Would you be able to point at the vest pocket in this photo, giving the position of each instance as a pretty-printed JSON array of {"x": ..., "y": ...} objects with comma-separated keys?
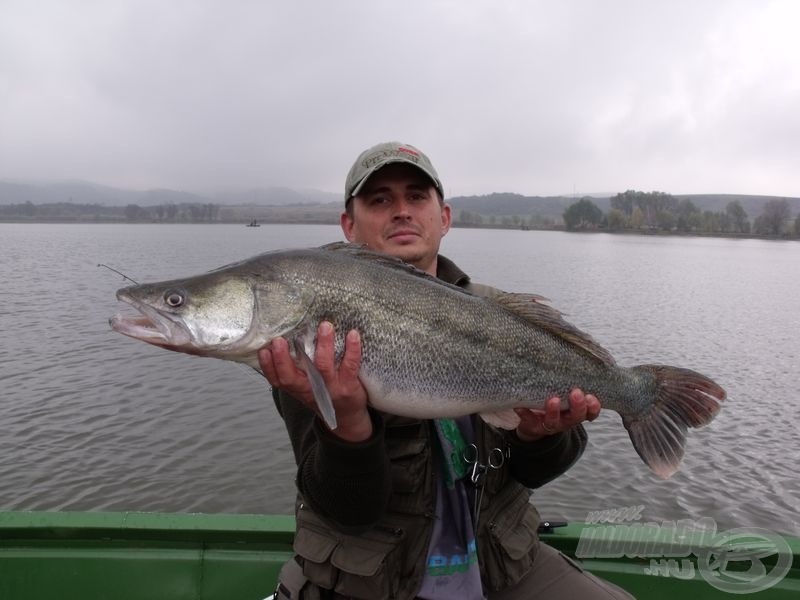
[
  {"x": 508, "y": 551},
  {"x": 410, "y": 464},
  {"x": 408, "y": 459},
  {"x": 369, "y": 565},
  {"x": 363, "y": 566}
]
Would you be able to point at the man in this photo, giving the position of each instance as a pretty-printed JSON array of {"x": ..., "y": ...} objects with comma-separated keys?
[{"x": 392, "y": 507}]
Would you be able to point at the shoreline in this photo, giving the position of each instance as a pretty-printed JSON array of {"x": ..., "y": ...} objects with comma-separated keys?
[{"x": 244, "y": 223}]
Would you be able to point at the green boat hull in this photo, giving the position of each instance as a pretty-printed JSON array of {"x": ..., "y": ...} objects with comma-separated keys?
[{"x": 146, "y": 556}]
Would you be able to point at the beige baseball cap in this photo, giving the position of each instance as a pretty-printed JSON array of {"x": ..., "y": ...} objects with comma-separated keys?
[{"x": 383, "y": 154}]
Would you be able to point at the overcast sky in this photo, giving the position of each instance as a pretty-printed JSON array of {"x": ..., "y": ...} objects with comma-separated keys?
[{"x": 532, "y": 97}]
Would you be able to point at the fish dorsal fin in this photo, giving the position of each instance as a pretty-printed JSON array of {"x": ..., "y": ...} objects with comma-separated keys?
[
  {"x": 363, "y": 252},
  {"x": 531, "y": 308}
]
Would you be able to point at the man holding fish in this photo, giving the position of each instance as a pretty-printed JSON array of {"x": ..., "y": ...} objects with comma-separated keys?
[
  {"x": 397, "y": 507},
  {"x": 378, "y": 369}
]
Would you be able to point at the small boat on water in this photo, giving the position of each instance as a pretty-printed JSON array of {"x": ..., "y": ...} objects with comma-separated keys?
[
  {"x": 138, "y": 556},
  {"x": 254, "y": 223}
]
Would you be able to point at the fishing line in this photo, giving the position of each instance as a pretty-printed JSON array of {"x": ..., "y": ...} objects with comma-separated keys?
[{"x": 118, "y": 273}]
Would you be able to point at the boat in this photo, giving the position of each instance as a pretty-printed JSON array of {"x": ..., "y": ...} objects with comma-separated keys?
[
  {"x": 138, "y": 556},
  {"x": 253, "y": 223}
]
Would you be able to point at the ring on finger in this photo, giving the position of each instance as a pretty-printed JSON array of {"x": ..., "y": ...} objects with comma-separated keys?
[{"x": 547, "y": 429}]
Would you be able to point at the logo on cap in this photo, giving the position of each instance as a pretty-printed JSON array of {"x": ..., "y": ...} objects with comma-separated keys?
[{"x": 381, "y": 155}]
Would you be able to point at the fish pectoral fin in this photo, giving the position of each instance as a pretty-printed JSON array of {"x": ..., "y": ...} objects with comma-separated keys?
[
  {"x": 504, "y": 419},
  {"x": 318, "y": 387}
]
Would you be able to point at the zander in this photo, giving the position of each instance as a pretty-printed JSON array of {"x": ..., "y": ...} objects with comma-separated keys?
[{"x": 429, "y": 349}]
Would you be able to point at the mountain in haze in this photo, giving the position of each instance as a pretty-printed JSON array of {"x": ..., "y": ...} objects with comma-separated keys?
[
  {"x": 507, "y": 204},
  {"x": 497, "y": 204},
  {"x": 275, "y": 196},
  {"x": 752, "y": 204},
  {"x": 83, "y": 192},
  {"x": 78, "y": 192}
]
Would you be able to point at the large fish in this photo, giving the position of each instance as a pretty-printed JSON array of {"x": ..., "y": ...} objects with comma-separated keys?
[{"x": 429, "y": 349}]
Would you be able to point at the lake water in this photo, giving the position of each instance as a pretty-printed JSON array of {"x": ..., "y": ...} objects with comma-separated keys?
[{"x": 91, "y": 420}]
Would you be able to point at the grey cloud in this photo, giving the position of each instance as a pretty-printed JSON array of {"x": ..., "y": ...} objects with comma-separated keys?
[{"x": 529, "y": 97}]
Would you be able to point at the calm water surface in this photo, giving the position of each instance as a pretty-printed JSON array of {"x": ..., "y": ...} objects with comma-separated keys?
[{"x": 91, "y": 420}]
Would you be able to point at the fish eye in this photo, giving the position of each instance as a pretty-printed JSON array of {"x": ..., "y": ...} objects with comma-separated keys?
[{"x": 174, "y": 298}]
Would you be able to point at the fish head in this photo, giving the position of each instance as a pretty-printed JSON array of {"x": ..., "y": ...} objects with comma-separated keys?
[{"x": 217, "y": 314}]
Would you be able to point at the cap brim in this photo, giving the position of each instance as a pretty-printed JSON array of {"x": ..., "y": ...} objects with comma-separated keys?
[{"x": 360, "y": 185}]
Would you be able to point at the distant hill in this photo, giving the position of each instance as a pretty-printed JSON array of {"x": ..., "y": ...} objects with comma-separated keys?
[
  {"x": 77, "y": 192},
  {"x": 506, "y": 204},
  {"x": 752, "y": 205},
  {"x": 319, "y": 203},
  {"x": 275, "y": 196},
  {"x": 83, "y": 192}
]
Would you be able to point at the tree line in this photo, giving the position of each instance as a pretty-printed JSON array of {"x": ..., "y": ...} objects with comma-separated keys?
[
  {"x": 67, "y": 211},
  {"x": 629, "y": 211},
  {"x": 658, "y": 211},
  {"x": 467, "y": 218}
]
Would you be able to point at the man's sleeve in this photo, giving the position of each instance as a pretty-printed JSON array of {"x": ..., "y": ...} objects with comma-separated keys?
[
  {"x": 348, "y": 483},
  {"x": 535, "y": 463}
]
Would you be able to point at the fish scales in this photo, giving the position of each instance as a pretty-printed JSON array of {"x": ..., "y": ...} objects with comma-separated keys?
[{"x": 409, "y": 321}]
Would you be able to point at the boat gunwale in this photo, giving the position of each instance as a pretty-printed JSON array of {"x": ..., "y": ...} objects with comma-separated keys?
[{"x": 207, "y": 549}]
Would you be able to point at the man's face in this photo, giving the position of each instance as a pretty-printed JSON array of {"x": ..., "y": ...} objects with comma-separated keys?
[{"x": 398, "y": 212}]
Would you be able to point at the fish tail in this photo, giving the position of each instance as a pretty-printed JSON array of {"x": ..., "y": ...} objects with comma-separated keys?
[{"x": 683, "y": 399}]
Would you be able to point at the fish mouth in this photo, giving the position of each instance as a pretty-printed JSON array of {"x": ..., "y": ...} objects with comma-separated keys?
[{"x": 150, "y": 326}]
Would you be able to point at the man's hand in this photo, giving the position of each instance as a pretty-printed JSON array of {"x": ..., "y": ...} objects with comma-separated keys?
[
  {"x": 536, "y": 424},
  {"x": 347, "y": 392}
]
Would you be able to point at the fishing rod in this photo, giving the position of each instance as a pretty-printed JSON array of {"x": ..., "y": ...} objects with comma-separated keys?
[{"x": 118, "y": 273}]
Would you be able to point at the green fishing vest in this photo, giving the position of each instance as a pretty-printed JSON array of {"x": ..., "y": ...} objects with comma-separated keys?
[{"x": 388, "y": 560}]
